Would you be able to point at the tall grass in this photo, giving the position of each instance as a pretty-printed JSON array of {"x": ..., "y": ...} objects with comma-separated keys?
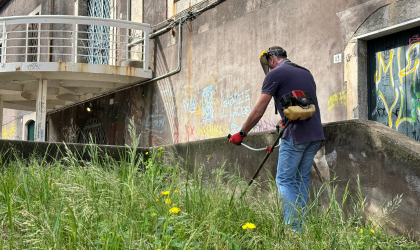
[{"x": 104, "y": 204}]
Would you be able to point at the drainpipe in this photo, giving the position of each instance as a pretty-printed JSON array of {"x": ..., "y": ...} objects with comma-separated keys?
[
  {"x": 128, "y": 10},
  {"x": 179, "y": 58}
]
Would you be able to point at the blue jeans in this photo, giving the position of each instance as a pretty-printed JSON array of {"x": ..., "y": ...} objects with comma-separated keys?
[{"x": 293, "y": 170}]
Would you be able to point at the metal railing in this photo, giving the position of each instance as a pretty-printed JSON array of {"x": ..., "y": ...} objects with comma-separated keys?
[{"x": 72, "y": 39}]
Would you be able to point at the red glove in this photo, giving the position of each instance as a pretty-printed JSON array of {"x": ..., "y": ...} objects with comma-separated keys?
[{"x": 236, "y": 139}]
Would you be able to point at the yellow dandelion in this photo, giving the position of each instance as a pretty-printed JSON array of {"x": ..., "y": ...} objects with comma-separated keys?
[
  {"x": 160, "y": 148},
  {"x": 166, "y": 246},
  {"x": 52, "y": 185},
  {"x": 165, "y": 192},
  {"x": 157, "y": 200},
  {"x": 168, "y": 201},
  {"x": 372, "y": 231},
  {"x": 176, "y": 191},
  {"x": 166, "y": 179},
  {"x": 174, "y": 210},
  {"x": 154, "y": 214},
  {"x": 146, "y": 153},
  {"x": 248, "y": 225},
  {"x": 361, "y": 231}
]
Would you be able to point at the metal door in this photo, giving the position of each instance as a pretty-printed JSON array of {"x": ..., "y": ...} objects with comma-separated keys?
[
  {"x": 394, "y": 81},
  {"x": 31, "y": 131}
]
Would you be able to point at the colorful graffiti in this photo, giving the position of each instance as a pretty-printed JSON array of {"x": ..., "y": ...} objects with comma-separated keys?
[
  {"x": 156, "y": 122},
  {"x": 207, "y": 104},
  {"x": 9, "y": 132},
  {"x": 398, "y": 88},
  {"x": 336, "y": 99},
  {"x": 190, "y": 104},
  {"x": 236, "y": 104},
  {"x": 213, "y": 131}
]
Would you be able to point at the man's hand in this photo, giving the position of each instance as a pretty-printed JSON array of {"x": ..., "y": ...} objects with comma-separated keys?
[{"x": 236, "y": 139}]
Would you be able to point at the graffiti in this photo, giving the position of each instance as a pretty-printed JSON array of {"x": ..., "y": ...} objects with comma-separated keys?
[
  {"x": 207, "y": 104},
  {"x": 155, "y": 104},
  {"x": 237, "y": 111},
  {"x": 397, "y": 87},
  {"x": 414, "y": 39},
  {"x": 379, "y": 110},
  {"x": 337, "y": 98},
  {"x": 213, "y": 131},
  {"x": 9, "y": 132},
  {"x": 233, "y": 104},
  {"x": 33, "y": 66},
  {"x": 396, "y": 112},
  {"x": 189, "y": 133},
  {"x": 176, "y": 133},
  {"x": 71, "y": 133},
  {"x": 156, "y": 123},
  {"x": 190, "y": 105},
  {"x": 189, "y": 130},
  {"x": 264, "y": 125}
]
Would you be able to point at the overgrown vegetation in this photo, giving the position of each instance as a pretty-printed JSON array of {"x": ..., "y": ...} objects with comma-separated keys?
[{"x": 141, "y": 203}]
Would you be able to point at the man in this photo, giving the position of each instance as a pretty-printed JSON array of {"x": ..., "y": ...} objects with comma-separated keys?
[{"x": 301, "y": 139}]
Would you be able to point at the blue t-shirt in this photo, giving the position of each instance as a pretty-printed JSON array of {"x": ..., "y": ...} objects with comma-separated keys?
[{"x": 284, "y": 79}]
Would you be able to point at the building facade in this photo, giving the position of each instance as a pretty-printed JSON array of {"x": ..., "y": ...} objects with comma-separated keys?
[{"x": 364, "y": 56}]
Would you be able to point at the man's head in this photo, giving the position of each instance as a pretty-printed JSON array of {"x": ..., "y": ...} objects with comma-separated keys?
[
  {"x": 276, "y": 55},
  {"x": 271, "y": 58}
]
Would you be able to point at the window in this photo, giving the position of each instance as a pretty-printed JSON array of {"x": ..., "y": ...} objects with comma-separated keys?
[{"x": 99, "y": 36}]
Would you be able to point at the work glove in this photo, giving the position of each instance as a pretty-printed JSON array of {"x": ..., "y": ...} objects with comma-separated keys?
[{"x": 236, "y": 139}]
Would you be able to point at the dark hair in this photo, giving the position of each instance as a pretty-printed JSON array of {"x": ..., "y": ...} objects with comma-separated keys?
[{"x": 277, "y": 52}]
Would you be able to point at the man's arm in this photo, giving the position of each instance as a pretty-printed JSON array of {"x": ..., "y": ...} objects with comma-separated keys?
[{"x": 257, "y": 112}]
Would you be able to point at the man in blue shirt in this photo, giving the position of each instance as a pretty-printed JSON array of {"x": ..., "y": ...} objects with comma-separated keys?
[{"x": 301, "y": 139}]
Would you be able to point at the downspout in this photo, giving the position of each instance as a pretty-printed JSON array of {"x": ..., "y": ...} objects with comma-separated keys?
[
  {"x": 179, "y": 57},
  {"x": 138, "y": 83},
  {"x": 128, "y": 10}
]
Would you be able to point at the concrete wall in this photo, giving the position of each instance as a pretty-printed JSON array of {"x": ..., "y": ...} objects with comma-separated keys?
[{"x": 387, "y": 163}]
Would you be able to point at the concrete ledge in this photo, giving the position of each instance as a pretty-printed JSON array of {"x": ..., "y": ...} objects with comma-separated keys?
[{"x": 387, "y": 163}]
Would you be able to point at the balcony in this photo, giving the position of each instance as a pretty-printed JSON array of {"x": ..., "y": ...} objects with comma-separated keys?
[{"x": 49, "y": 62}]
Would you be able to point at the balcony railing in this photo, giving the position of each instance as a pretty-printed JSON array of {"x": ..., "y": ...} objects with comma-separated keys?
[{"x": 72, "y": 39}]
